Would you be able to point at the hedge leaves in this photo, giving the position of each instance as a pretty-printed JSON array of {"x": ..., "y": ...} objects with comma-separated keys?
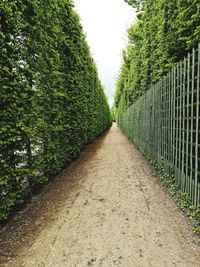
[
  {"x": 164, "y": 33},
  {"x": 52, "y": 102}
]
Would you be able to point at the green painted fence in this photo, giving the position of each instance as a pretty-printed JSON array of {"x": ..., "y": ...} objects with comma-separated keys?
[{"x": 165, "y": 123}]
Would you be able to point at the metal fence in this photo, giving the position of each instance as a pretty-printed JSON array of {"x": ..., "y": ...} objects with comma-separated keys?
[{"x": 164, "y": 123}]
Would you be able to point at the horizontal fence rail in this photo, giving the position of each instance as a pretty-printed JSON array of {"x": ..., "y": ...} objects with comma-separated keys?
[{"x": 164, "y": 123}]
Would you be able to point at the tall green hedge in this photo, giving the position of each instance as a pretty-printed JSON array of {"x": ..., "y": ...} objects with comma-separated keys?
[
  {"x": 166, "y": 30},
  {"x": 52, "y": 102}
]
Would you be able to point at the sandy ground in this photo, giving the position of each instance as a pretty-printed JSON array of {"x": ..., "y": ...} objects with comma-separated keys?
[{"x": 106, "y": 209}]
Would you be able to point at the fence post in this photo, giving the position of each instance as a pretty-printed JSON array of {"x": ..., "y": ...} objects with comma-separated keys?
[
  {"x": 192, "y": 127},
  {"x": 197, "y": 130}
]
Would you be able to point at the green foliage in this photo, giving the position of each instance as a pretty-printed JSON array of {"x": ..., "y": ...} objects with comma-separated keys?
[
  {"x": 164, "y": 33},
  {"x": 136, "y": 3},
  {"x": 113, "y": 115},
  {"x": 52, "y": 102}
]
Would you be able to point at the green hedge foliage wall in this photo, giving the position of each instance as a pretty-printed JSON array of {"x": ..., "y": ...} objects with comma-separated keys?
[
  {"x": 165, "y": 32},
  {"x": 52, "y": 102}
]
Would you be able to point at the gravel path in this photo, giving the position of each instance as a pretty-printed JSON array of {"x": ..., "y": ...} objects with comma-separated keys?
[{"x": 106, "y": 209}]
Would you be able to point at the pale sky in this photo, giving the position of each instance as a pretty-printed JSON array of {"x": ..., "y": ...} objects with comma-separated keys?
[{"x": 105, "y": 23}]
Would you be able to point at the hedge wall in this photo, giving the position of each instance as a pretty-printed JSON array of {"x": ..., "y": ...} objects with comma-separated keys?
[
  {"x": 166, "y": 30},
  {"x": 52, "y": 102}
]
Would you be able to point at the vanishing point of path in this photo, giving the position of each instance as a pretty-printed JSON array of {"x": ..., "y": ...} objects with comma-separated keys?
[{"x": 106, "y": 209}]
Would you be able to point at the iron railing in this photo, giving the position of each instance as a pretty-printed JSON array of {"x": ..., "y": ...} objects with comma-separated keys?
[{"x": 165, "y": 123}]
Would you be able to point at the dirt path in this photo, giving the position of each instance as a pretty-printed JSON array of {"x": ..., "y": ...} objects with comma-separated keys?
[{"x": 108, "y": 209}]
